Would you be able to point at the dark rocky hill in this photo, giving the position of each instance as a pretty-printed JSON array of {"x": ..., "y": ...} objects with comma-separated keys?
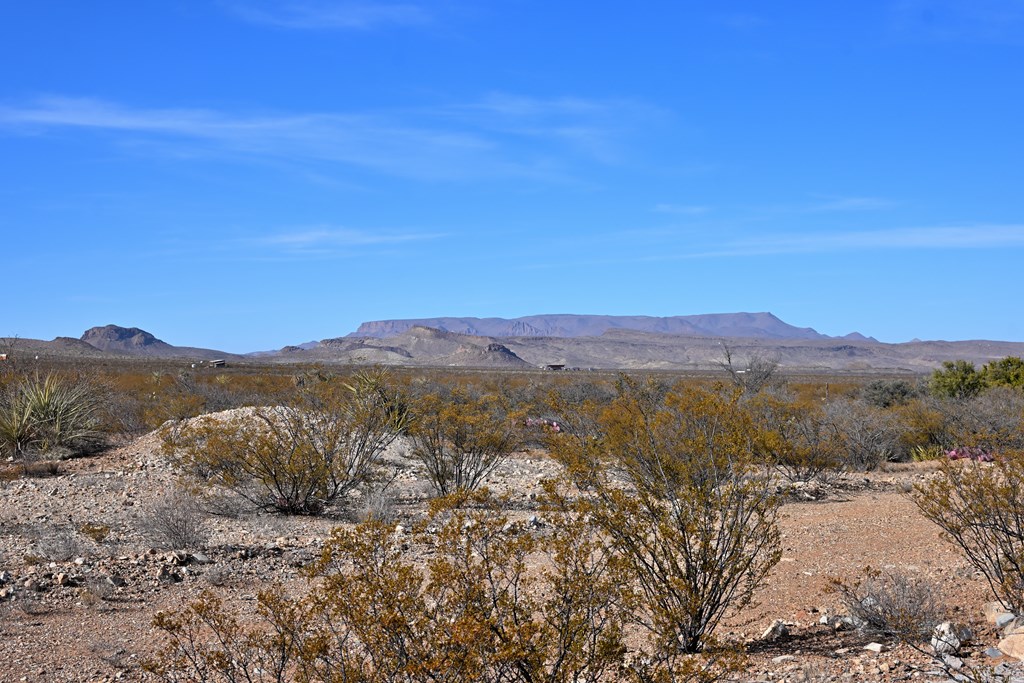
[
  {"x": 128, "y": 340},
  {"x": 131, "y": 341}
]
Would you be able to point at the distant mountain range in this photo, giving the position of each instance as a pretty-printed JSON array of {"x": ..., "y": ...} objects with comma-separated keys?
[
  {"x": 746, "y": 325},
  {"x": 575, "y": 341}
]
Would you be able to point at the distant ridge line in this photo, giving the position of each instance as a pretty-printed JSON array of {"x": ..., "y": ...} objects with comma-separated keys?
[{"x": 761, "y": 325}]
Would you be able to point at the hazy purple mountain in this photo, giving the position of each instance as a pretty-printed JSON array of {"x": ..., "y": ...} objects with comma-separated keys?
[{"x": 744, "y": 325}]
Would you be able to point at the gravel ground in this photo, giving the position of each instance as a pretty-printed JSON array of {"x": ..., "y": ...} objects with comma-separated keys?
[{"x": 81, "y": 578}]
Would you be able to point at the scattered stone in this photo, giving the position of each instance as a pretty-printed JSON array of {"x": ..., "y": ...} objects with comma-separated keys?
[
  {"x": 874, "y": 647},
  {"x": 200, "y": 558},
  {"x": 116, "y": 581},
  {"x": 178, "y": 558},
  {"x": 948, "y": 638},
  {"x": 993, "y": 610},
  {"x": 952, "y": 662},
  {"x": 65, "y": 580},
  {"x": 168, "y": 575},
  {"x": 783, "y": 658},
  {"x": 777, "y": 630},
  {"x": 1013, "y": 646},
  {"x": 845, "y": 623},
  {"x": 993, "y": 652},
  {"x": 1014, "y": 627}
]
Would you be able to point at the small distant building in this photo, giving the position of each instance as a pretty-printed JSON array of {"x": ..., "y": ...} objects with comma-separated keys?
[
  {"x": 219, "y": 363},
  {"x": 555, "y": 366}
]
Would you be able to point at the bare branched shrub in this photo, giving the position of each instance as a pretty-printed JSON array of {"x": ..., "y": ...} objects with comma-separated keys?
[
  {"x": 377, "y": 503},
  {"x": 95, "y": 592},
  {"x": 296, "y": 459},
  {"x": 980, "y": 507},
  {"x": 891, "y": 604},
  {"x": 797, "y": 439},
  {"x": 759, "y": 372},
  {"x": 993, "y": 420},
  {"x": 460, "y": 438},
  {"x": 176, "y": 522},
  {"x": 58, "y": 545},
  {"x": 868, "y": 436}
]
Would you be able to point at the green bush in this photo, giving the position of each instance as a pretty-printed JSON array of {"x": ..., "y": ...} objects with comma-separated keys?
[{"x": 957, "y": 379}]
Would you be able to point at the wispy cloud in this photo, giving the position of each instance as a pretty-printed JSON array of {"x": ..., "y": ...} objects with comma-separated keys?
[
  {"x": 675, "y": 246},
  {"x": 972, "y": 237},
  {"x": 849, "y": 204},
  {"x": 682, "y": 209},
  {"x": 595, "y": 128},
  {"x": 333, "y": 238},
  {"x": 497, "y": 136},
  {"x": 326, "y": 15}
]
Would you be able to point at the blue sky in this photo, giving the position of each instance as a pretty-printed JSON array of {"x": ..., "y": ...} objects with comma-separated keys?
[{"x": 245, "y": 174}]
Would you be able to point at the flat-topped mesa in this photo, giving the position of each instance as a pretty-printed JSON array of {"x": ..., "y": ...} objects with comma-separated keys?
[{"x": 564, "y": 325}]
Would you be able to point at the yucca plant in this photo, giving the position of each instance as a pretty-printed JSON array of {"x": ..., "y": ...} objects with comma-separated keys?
[
  {"x": 17, "y": 425},
  {"x": 47, "y": 413}
]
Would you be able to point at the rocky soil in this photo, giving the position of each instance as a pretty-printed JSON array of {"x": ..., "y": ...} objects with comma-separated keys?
[{"x": 82, "y": 573}]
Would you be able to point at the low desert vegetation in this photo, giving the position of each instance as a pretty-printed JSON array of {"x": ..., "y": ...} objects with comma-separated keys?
[
  {"x": 980, "y": 507},
  {"x": 497, "y": 600},
  {"x": 297, "y": 458},
  {"x": 664, "y": 519},
  {"x": 891, "y": 604},
  {"x": 47, "y": 414},
  {"x": 460, "y": 437}
]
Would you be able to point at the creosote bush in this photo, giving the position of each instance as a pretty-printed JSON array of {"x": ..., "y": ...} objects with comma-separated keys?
[
  {"x": 460, "y": 438},
  {"x": 796, "y": 439},
  {"x": 676, "y": 490},
  {"x": 481, "y": 610},
  {"x": 980, "y": 508},
  {"x": 299, "y": 458}
]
